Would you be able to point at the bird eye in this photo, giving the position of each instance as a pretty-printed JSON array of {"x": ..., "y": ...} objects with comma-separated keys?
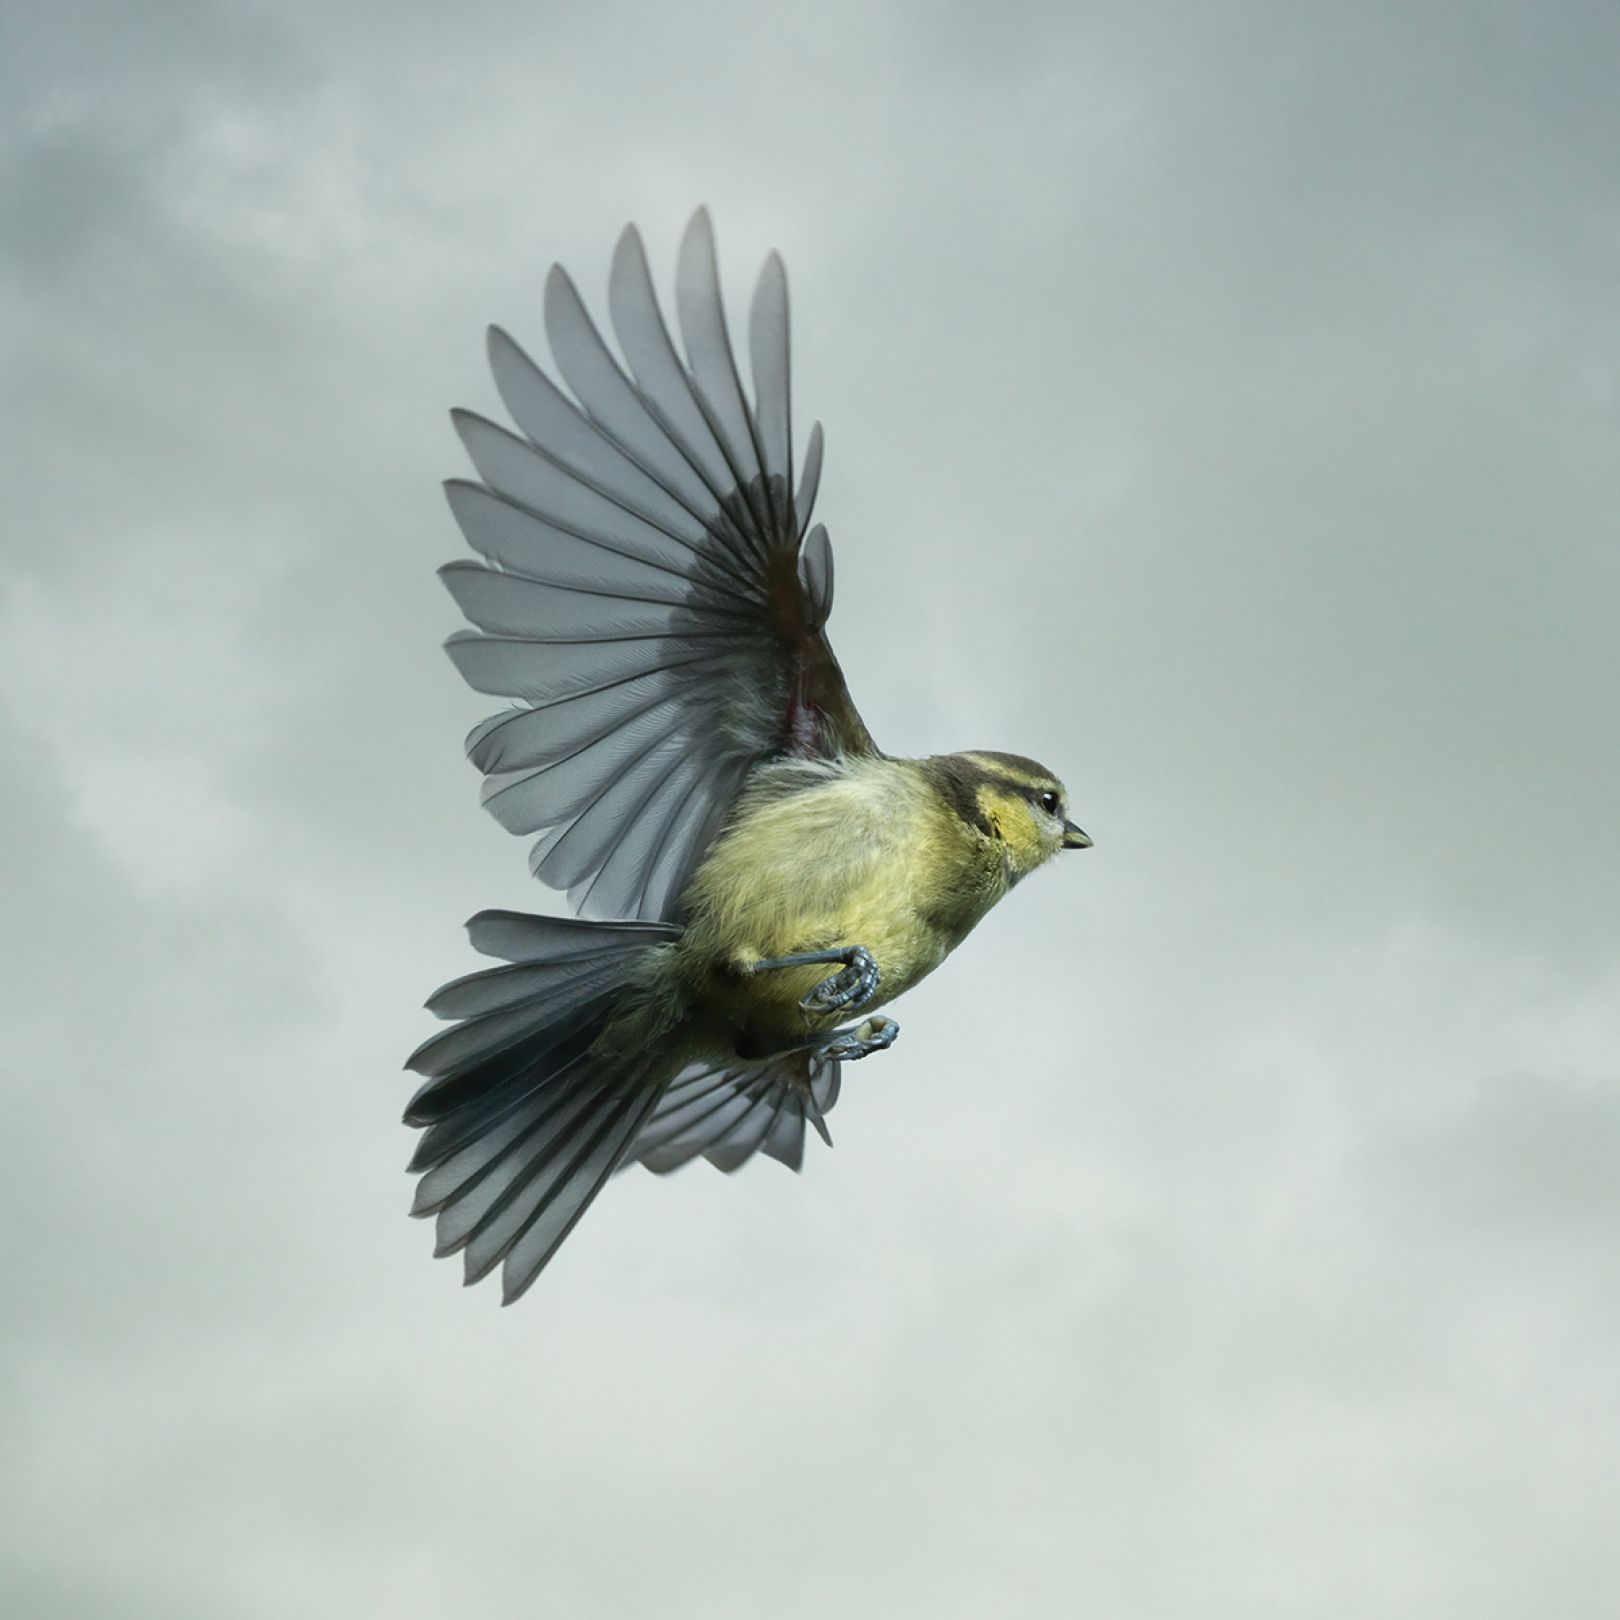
[{"x": 1049, "y": 803}]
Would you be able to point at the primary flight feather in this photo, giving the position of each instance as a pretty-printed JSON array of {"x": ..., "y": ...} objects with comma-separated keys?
[{"x": 650, "y": 593}]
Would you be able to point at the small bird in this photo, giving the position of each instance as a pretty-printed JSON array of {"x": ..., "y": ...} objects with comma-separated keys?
[{"x": 756, "y": 875}]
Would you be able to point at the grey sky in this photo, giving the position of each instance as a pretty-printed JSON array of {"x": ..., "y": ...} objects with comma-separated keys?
[{"x": 1221, "y": 406}]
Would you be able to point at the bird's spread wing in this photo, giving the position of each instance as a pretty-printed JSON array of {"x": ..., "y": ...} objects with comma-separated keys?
[
  {"x": 649, "y": 589},
  {"x": 729, "y": 1114}
]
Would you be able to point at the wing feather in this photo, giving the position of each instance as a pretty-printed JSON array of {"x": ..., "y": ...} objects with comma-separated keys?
[
  {"x": 539, "y": 736},
  {"x": 661, "y": 486},
  {"x": 770, "y": 361},
  {"x": 665, "y": 384},
  {"x": 727, "y": 1115},
  {"x": 611, "y": 399},
  {"x": 810, "y": 479},
  {"x": 713, "y": 365},
  {"x": 648, "y": 590}
]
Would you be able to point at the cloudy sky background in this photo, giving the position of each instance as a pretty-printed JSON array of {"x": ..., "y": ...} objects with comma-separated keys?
[{"x": 1221, "y": 406}]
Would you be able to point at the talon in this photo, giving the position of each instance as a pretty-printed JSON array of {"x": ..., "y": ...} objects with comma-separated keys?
[
  {"x": 862, "y": 1040},
  {"x": 852, "y": 986}
]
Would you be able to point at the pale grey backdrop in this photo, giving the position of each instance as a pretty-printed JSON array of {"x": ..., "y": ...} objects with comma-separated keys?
[{"x": 1222, "y": 406}]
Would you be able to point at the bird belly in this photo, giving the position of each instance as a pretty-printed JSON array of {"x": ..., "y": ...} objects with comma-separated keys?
[
  {"x": 819, "y": 873},
  {"x": 759, "y": 1007}
]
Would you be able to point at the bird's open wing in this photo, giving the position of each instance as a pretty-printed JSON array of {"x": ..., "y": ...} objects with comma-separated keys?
[
  {"x": 649, "y": 590},
  {"x": 727, "y": 1115}
]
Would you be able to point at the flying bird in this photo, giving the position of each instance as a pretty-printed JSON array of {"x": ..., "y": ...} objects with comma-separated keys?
[{"x": 756, "y": 876}]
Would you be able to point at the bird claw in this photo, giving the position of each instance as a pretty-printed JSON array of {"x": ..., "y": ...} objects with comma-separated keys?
[
  {"x": 852, "y": 986},
  {"x": 862, "y": 1040}
]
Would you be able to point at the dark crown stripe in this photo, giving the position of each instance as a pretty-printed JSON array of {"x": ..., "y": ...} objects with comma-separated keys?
[
  {"x": 957, "y": 781},
  {"x": 1017, "y": 770}
]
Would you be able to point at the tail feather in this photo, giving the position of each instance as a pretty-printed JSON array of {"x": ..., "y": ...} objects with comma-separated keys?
[
  {"x": 551, "y": 1199},
  {"x": 498, "y": 990},
  {"x": 490, "y": 1062},
  {"x": 480, "y": 1114},
  {"x": 516, "y": 936},
  {"x": 521, "y": 1125},
  {"x": 546, "y": 1134},
  {"x": 454, "y": 1172}
]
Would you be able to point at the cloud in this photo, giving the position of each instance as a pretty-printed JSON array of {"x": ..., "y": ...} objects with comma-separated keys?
[{"x": 1220, "y": 407}]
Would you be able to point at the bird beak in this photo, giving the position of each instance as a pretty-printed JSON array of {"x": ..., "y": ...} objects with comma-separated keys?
[{"x": 1073, "y": 838}]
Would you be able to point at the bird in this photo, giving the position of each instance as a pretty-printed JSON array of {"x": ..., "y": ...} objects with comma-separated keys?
[{"x": 753, "y": 876}]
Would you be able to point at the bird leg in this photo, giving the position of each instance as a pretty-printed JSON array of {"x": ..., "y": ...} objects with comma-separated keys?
[{"x": 853, "y": 987}]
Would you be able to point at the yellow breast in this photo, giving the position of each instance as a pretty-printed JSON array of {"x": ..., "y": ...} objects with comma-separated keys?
[{"x": 861, "y": 854}]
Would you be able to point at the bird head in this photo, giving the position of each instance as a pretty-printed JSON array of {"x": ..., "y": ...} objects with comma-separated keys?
[{"x": 1015, "y": 801}]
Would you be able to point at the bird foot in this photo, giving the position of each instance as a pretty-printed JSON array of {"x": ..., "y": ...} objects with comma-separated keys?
[
  {"x": 862, "y": 1040},
  {"x": 852, "y": 987}
]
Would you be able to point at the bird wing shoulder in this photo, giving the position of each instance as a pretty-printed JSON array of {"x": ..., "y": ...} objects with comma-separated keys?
[{"x": 648, "y": 588}]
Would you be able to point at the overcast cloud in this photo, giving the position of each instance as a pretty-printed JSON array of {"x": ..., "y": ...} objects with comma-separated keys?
[{"x": 1221, "y": 406}]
